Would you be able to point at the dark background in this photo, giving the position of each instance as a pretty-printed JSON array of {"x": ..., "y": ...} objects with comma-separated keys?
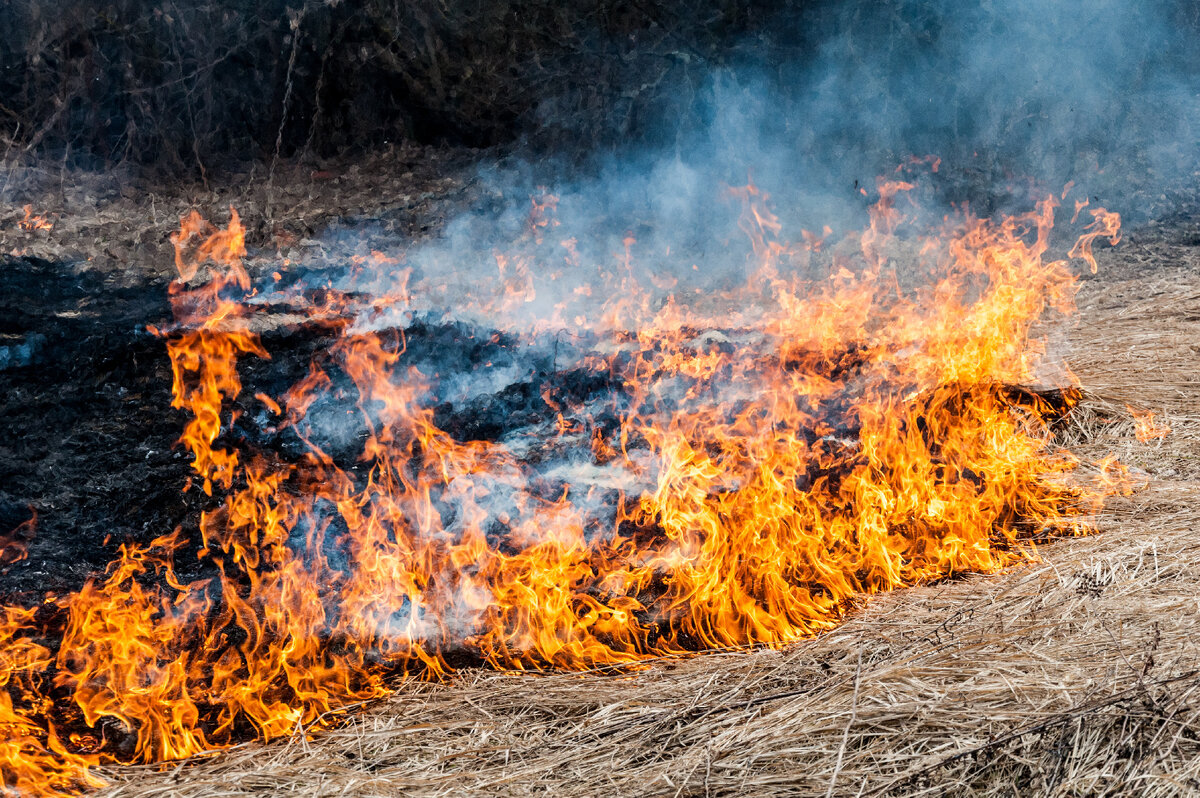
[
  {"x": 194, "y": 87},
  {"x": 179, "y": 85}
]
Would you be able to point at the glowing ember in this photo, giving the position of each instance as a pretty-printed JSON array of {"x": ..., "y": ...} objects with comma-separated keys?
[
  {"x": 768, "y": 452},
  {"x": 14, "y": 545}
]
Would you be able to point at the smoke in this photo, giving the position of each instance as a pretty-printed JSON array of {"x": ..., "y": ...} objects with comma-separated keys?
[
  {"x": 1055, "y": 92},
  {"x": 1104, "y": 94},
  {"x": 1010, "y": 94},
  {"x": 1016, "y": 97}
]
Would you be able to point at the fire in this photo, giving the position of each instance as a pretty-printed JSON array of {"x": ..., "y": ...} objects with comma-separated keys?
[
  {"x": 769, "y": 452},
  {"x": 32, "y": 221},
  {"x": 1146, "y": 427},
  {"x": 14, "y": 546}
]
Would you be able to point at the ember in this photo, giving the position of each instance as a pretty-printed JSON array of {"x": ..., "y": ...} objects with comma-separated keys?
[{"x": 678, "y": 471}]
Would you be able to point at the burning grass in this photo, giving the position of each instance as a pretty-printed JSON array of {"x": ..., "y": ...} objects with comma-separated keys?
[
  {"x": 770, "y": 453},
  {"x": 1074, "y": 675}
]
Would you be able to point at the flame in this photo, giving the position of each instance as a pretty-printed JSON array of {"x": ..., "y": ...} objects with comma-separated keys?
[
  {"x": 783, "y": 448},
  {"x": 32, "y": 221},
  {"x": 14, "y": 546},
  {"x": 1146, "y": 427}
]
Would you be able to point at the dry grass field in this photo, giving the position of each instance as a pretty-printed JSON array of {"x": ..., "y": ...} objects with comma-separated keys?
[{"x": 1076, "y": 675}]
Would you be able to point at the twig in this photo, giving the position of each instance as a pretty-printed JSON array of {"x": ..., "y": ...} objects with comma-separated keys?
[
  {"x": 295, "y": 19},
  {"x": 837, "y": 765}
]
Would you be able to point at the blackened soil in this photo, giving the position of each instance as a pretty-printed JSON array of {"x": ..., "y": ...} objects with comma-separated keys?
[{"x": 87, "y": 434}]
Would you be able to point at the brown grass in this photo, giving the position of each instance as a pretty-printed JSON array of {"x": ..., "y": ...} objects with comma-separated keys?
[{"x": 121, "y": 224}]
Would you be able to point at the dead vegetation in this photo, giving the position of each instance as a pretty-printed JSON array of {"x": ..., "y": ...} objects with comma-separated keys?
[
  {"x": 119, "y": 224},
  {"x": 201, "y": 89},
  {"x": 1073, "y": 676},
  {"x": 186, "y": 87}
]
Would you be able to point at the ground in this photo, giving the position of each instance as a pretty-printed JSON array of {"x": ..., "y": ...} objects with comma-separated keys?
[
  {"x": 1075, "y": 675},
  {"x": 119, "y": 223}
]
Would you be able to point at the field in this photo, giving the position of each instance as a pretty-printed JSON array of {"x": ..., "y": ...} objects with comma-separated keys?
[{"x": 1075, "y": 675}]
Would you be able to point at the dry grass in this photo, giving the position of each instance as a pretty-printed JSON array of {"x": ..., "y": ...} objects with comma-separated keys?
[
  {"x": 1077, "y": 675},
  {"x": 120, "y": 225}
]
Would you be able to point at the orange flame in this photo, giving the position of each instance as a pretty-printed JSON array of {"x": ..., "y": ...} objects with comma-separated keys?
[
  {"x": 14, "y": 546},
  {"x": 1146, "y": 427},
  {"x": 33, "y": 221},
  {"x": 786, "y": 447}
]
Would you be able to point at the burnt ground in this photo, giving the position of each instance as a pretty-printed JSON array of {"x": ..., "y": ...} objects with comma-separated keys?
[
  {"x": 88, "y": 440},
  {"x": 88, "y": 434},
  {"x": 89, "y": 453}
]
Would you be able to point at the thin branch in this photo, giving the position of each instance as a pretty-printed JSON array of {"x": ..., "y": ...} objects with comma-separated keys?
[{"x": 837, "y": 765}]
